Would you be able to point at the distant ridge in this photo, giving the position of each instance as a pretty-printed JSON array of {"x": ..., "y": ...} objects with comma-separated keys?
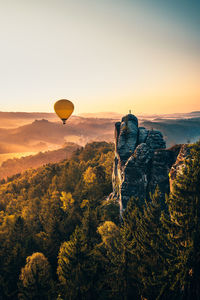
[
  {"x": 27, "y": 115},
  {"x": 33, "y": 132},
  {"x": 42, "y": 134},
  {"x": 14, "y": 166},
  {"x": 196, "y": 112}
]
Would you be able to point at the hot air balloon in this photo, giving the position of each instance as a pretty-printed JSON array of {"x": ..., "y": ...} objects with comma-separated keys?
[{"x": 64, "y": 108}]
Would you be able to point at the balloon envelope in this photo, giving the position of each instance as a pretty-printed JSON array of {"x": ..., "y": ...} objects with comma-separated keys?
[{"x": 64, "y": 108}]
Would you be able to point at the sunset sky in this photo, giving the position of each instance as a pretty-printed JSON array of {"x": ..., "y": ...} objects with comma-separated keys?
[{"x": 105, "y": 55}]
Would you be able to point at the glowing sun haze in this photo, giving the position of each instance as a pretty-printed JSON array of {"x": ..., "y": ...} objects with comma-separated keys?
[{"x": 108, "y": 55}]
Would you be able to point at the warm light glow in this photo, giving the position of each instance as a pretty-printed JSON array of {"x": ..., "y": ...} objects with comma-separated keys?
[{"x": 108, "y": 55}]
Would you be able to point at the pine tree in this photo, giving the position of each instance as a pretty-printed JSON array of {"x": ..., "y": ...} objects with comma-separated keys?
[
  {"x": 152, "y": 248},
  {"x": 76, "y": 267},
  {"x": 118, "y": 263},
  {"x": 15, "y": 244},
  {"x": 183, "y": 225}
]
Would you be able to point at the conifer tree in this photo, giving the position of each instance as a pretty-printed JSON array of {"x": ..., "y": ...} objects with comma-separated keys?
[
  {"x": 15, "y": 244},
  {"x": 151, "y": 247},
  {"x": 118, "y": 263},
  {"x": 183, "y": 225},
  {"x": 76, "y": 266},
  {"x": 131, "y": 218}
]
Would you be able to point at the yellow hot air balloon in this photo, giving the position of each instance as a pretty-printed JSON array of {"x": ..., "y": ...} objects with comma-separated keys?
[{"x": 64, "y": 108}]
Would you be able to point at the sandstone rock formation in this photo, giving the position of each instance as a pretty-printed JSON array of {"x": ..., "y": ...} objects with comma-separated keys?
[
  {"x": 141, "y": 162},
  {"x": 179, "y": 164}
]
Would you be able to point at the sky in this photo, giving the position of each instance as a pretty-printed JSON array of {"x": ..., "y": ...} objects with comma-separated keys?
[{"x": 108, "y": 55}]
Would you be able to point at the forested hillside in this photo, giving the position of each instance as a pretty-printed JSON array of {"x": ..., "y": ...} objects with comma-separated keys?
[
  {"x": 19, "y": 165},
  {"x": 41, "y": 209},
  {"x": 61, "y": 239}
]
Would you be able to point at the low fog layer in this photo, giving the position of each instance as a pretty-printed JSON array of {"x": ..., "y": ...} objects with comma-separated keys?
[{"x": 34, "y": 132}]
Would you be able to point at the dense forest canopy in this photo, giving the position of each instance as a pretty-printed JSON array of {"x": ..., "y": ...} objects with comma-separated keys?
[{"x": 60, "y": 238}]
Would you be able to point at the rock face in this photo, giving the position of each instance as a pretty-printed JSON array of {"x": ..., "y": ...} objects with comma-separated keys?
[
  {"x": 141, "y": 162},
  {"x": 126, "y": 136},
  {"x": 179, "y": 164}
]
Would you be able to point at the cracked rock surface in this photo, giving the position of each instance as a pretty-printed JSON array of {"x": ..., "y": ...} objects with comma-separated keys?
[{"x": 141, "y": 162}]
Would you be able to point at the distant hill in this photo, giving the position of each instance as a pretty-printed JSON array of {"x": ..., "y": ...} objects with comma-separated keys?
[
  {"x": 26, "y": 115},
  {"x": 178, "y": 131},
  {"x": 195, "y": 113},
  {"x": 44, "y": 131},
  {"x": 19, "y": 165},
  {"x": 42, "y": 134},
  {"x": 16, "y": 119}
]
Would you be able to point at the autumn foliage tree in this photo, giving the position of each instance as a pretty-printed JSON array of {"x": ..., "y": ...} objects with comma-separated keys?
[{"x": 36, "y": 278}]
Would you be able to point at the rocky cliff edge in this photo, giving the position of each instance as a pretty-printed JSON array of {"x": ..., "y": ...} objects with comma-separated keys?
[{"x": 142, "y": 162}]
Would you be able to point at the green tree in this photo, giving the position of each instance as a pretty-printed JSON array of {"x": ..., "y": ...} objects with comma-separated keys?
[
  {"x": 15, "y": 245},
  {"x": 110, "y": 211},
  {"x": 59, "y": 219},
  {"x": 76, "y": 268},
  {"x": 152, "y": 248},
  {"x": 118, "y": 263},
  {"x": 183, "y": 225}
]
